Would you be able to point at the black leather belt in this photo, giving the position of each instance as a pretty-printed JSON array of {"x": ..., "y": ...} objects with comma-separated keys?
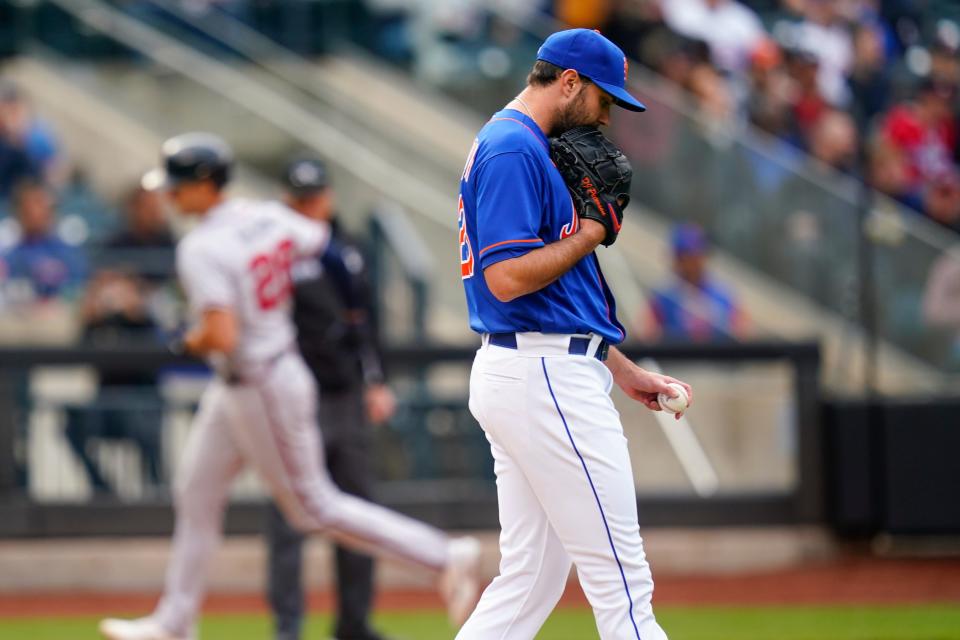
[{"x": 578, "y": 346}]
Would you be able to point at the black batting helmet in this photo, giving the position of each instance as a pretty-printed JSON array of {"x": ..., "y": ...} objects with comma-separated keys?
[{"x": 193, "y": 157}]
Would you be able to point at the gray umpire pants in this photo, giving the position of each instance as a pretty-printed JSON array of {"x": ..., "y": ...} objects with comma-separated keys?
[{"x": 346, "y": 446}]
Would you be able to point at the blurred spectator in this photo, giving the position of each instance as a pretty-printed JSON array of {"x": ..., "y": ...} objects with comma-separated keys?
[
  {"x": 889, "y": 173},
  {"x": 116, "y": 311},
  {"x": 808, "y": 103},
  {"x": 945, "y": 63},
  {"x": 834, "y": 142},
  {"x": 824, "y": 35},
  {"x": 51, "y": 266},
  {"x": 32, "y": 135},
  {"x": 770, "y": 90},
  {"x": 712, "y": 93},
  {"x": 637, "y": 27},
  {"x": 694, "y": 307},
  {"x": 869, "y": 79},
  {"x": 678, "y": 57},
  {"x": 941, "y": 299},
  {"x": 768, "y": 109},
  {"x": 941, "y": 200},
  {"x": 924, "y": 129},
  {"x": 731, "y": 29},
  {"x": 392, "y": 29},
  {"x": 128, "y": 407},
  {"x": 15, "y": 163},
  {"x": 145, "y": 225},
  {"x": 588, "y": 14},
  {"x": 903, "y": 16}
]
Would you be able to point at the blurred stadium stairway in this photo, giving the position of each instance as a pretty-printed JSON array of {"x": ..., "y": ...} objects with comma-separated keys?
[{"x": 113, "y": 146}]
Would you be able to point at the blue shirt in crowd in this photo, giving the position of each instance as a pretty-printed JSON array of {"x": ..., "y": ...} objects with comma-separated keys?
[
  {"x": 698, "y": 314},
  {"x": 52, "y": 266}
]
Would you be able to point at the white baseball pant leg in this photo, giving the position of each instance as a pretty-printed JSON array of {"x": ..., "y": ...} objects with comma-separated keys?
[
  {"x": 566, "y": 492},
  {"x": 272, "y": 425},
  {"x": 287, "y": 454},
  {"x": 210, "y": 462}
]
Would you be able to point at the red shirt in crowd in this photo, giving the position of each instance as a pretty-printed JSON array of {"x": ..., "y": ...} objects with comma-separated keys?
[{"x": 928, "y": 149}]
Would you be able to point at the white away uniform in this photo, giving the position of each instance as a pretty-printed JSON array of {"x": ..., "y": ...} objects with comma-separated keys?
[{"x": 261, "y": 408}]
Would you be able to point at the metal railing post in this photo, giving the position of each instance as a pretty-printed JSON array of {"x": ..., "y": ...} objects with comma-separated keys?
[
  {"x": 8, "y": 433},
  {"x": 866, "y": 300}
]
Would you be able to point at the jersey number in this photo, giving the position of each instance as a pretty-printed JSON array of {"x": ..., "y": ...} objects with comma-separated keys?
[
  {"x": 466, "y": 252},
  {"x": 271, "y": 275}
]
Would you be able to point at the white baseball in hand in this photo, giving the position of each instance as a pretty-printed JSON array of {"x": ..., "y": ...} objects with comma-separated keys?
[{"x": 673, "y": 405}]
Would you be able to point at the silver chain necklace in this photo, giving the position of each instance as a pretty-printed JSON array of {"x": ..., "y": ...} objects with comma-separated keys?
[
  {"x": 527, "y": 109},
  {"x": 524, "y": 105}
]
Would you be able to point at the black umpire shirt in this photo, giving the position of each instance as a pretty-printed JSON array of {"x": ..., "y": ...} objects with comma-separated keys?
[{"x": 333, "y": 312}]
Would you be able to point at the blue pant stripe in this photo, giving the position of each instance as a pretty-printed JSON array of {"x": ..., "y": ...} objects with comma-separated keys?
[{"x": 543, "y": 363}]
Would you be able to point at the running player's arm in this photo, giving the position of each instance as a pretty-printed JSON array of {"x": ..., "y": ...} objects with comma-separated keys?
[
  {"x": 536, "y": 269},
  {"x": 216, "y": 332}
]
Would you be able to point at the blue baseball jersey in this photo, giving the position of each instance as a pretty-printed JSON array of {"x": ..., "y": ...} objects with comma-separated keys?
[{"x": 513, "y": 200}]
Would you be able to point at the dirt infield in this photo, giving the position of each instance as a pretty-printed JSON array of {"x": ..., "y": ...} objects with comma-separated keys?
[
  {"x": 852, "y": 581},
  {"x": 849, "y": 581}
]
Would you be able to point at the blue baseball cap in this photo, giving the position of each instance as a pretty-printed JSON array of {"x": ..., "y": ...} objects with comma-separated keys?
[
  {"x": 590, "y": 54},
  {"x": 688, "y": 238}
]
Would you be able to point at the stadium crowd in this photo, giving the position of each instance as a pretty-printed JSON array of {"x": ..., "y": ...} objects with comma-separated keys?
[
  {"x": 92, "y": 271},
  {"x": 867, "y": 88}
]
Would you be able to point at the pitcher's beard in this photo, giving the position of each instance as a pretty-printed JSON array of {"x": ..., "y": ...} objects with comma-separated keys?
[{"x": 572, "y": 115}]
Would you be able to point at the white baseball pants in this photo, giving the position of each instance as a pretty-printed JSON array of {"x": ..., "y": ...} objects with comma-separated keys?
[
  {"x": 272, "y": 426},
  {"x": 565, "y": 490}
]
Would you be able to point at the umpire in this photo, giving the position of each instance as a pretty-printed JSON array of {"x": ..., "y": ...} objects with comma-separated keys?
[{"x": 333, "y": 314}]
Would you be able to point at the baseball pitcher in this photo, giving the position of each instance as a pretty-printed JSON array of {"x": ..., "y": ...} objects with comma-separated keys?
[{"x": 541, "y": 189}]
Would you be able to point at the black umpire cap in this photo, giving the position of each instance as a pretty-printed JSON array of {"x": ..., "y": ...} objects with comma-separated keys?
[
  {"x": 193, "y": 157},
  {"x": 305, "y": 176}
]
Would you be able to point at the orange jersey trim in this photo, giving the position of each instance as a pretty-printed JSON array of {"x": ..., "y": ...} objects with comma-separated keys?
[
  {"x": 497, "y": 244},
  {"x": 525, "y": 126}
]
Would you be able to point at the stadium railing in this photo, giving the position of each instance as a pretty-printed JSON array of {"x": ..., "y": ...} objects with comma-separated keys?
[{"x": 432, "y": 460}]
